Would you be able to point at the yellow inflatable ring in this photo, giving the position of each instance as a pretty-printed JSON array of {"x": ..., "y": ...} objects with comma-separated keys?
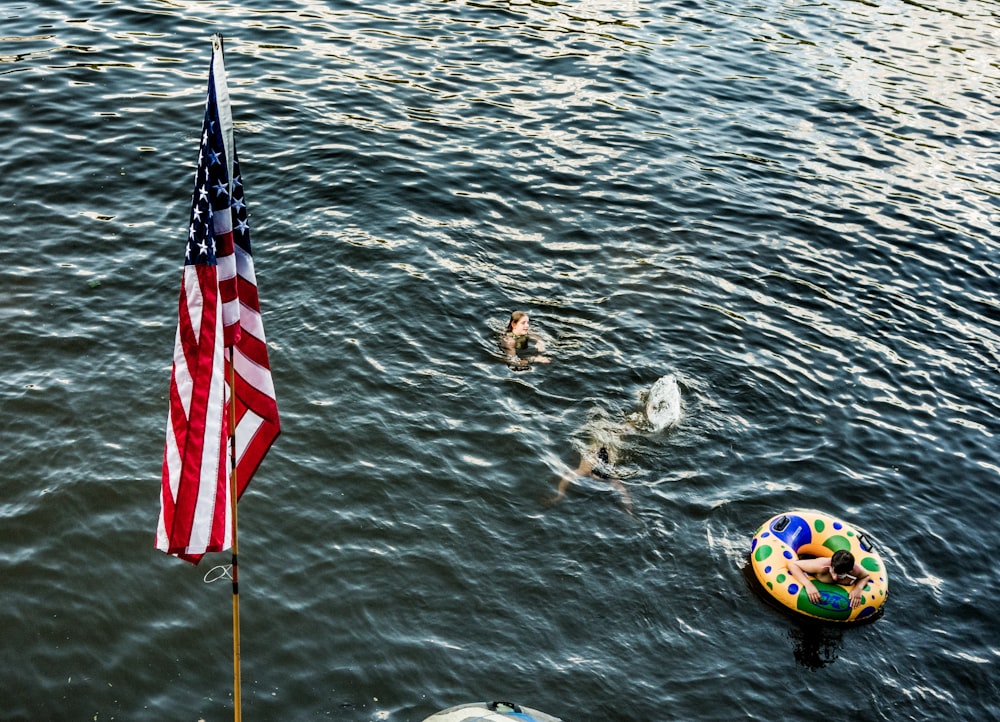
[{"x": 813, "y": 534}]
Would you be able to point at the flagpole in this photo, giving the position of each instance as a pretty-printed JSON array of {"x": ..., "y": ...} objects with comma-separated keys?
[
  {"x": 226, "y": 120},
  {"x": 237, "y": 685},
  {"x": 218, "y": 309}
]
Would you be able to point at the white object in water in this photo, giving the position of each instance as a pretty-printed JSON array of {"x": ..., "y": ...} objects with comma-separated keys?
[
  {"x": 491, "y": 712},
  {"x": 663, "y": 404}
]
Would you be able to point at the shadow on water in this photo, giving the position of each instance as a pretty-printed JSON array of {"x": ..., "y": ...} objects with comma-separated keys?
[{"x": 814, "y": 646}]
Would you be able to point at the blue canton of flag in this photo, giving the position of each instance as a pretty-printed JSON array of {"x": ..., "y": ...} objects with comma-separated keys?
[
  {"x": 211, "y": 192},
  {"x": 241, "y": 229}
]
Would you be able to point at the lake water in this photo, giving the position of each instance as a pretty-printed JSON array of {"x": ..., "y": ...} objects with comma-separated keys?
[{"x": 791, "y": 206}]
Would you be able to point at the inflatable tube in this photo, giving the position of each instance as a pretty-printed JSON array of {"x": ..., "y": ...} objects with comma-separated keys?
[
  {"x": 813, "y": 534},
  {"x": 663, "y": 404},
  {"x": 491, "y": 712}
]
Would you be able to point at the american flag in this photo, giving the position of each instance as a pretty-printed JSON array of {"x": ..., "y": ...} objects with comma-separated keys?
[{"x": 219, "y": 332}]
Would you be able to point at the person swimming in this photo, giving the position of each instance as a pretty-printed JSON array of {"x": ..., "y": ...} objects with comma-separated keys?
[
  {"x": 600, "y": 459},
  {"x": 518, "y": 339}
]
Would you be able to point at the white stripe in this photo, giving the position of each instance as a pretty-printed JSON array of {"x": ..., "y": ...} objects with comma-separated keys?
[
  {"x": 172, "y": 457},
  {"x": 246, "y": 430},
  {"x": 205, "y": 506},
  {"x": 225, "y": 267},
  {"x": 231, "y": 311},
  {"x": 226, "y": 271},
  {"x": 222, "y": 222},
  {"x": 173, "y": 462},
  {"x": 194, "y": 299},
  {"x": 222, "y": 98},
  {"x": 244, "y": 263},
  {"x": 257, "y": 376},
  {"x": 251, "y": 322},
  {"x": 227, "y": 540},
  {"x": 182, "y": 379}
]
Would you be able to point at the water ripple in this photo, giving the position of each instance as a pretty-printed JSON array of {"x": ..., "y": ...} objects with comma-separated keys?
[{"x": 790, "y": 207}]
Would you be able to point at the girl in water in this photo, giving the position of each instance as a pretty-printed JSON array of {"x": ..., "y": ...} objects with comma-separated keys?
[{"x": 516, "y": 339}]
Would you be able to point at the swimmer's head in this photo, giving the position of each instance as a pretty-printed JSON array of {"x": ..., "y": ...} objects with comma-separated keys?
[
  {"x": 518, "y": 323},
  {"x": 842, "y": 562}
]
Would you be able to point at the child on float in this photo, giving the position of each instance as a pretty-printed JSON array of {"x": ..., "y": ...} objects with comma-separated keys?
[{"x": 838, "y": 569}]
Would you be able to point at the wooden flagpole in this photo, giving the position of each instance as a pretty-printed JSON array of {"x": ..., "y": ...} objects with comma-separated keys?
[
  {"x": 225, "y": 118},
  {"x": 237, "y": 686}
]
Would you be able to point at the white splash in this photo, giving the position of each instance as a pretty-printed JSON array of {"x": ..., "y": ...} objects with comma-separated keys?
[{"x": 663, "y": 404}]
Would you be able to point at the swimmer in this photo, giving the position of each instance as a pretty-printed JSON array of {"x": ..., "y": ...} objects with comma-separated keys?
[
  {"x": 661, "y": 408},
  {"x": 598, "y": 463},
  {"x": 838, "y": 569},
  {"x": 516, "y": 339}
]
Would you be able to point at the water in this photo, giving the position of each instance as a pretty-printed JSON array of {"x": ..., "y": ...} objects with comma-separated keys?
[{"x": 790, "y": 206}]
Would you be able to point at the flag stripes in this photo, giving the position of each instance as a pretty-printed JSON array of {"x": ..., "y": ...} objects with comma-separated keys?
[{"x": 219, "y": 341}]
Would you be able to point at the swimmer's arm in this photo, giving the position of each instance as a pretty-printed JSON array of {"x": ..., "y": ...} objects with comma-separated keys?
[
  {"x": 514, "y": 360},
  {"x": 863, "y": 577},
  {"x": 538, "y": 341},
  {"x": 539, "y": 357},
  {"x": 799, "y": 568},
  {"x": 509, "y": 346}
]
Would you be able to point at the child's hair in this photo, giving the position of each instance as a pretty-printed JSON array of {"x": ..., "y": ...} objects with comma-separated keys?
[{"x": 842, "y": 562}]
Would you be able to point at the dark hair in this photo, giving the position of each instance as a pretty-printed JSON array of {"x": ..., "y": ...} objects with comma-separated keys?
[{"x": 842, "y": 562}]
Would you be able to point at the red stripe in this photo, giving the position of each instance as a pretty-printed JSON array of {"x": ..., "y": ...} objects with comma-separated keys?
[
  {"x": 224, "y": 244},
  {"x": 199, "y": 357},
  {"x": 248, "y": 293},
  {"x": 227, "y": 289},
  {"x": 253, "y": 398},
  {"x": 217, "y": 540},
  {"x": 166, "y": 501},
  {"x": 254, "y": 350}
]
